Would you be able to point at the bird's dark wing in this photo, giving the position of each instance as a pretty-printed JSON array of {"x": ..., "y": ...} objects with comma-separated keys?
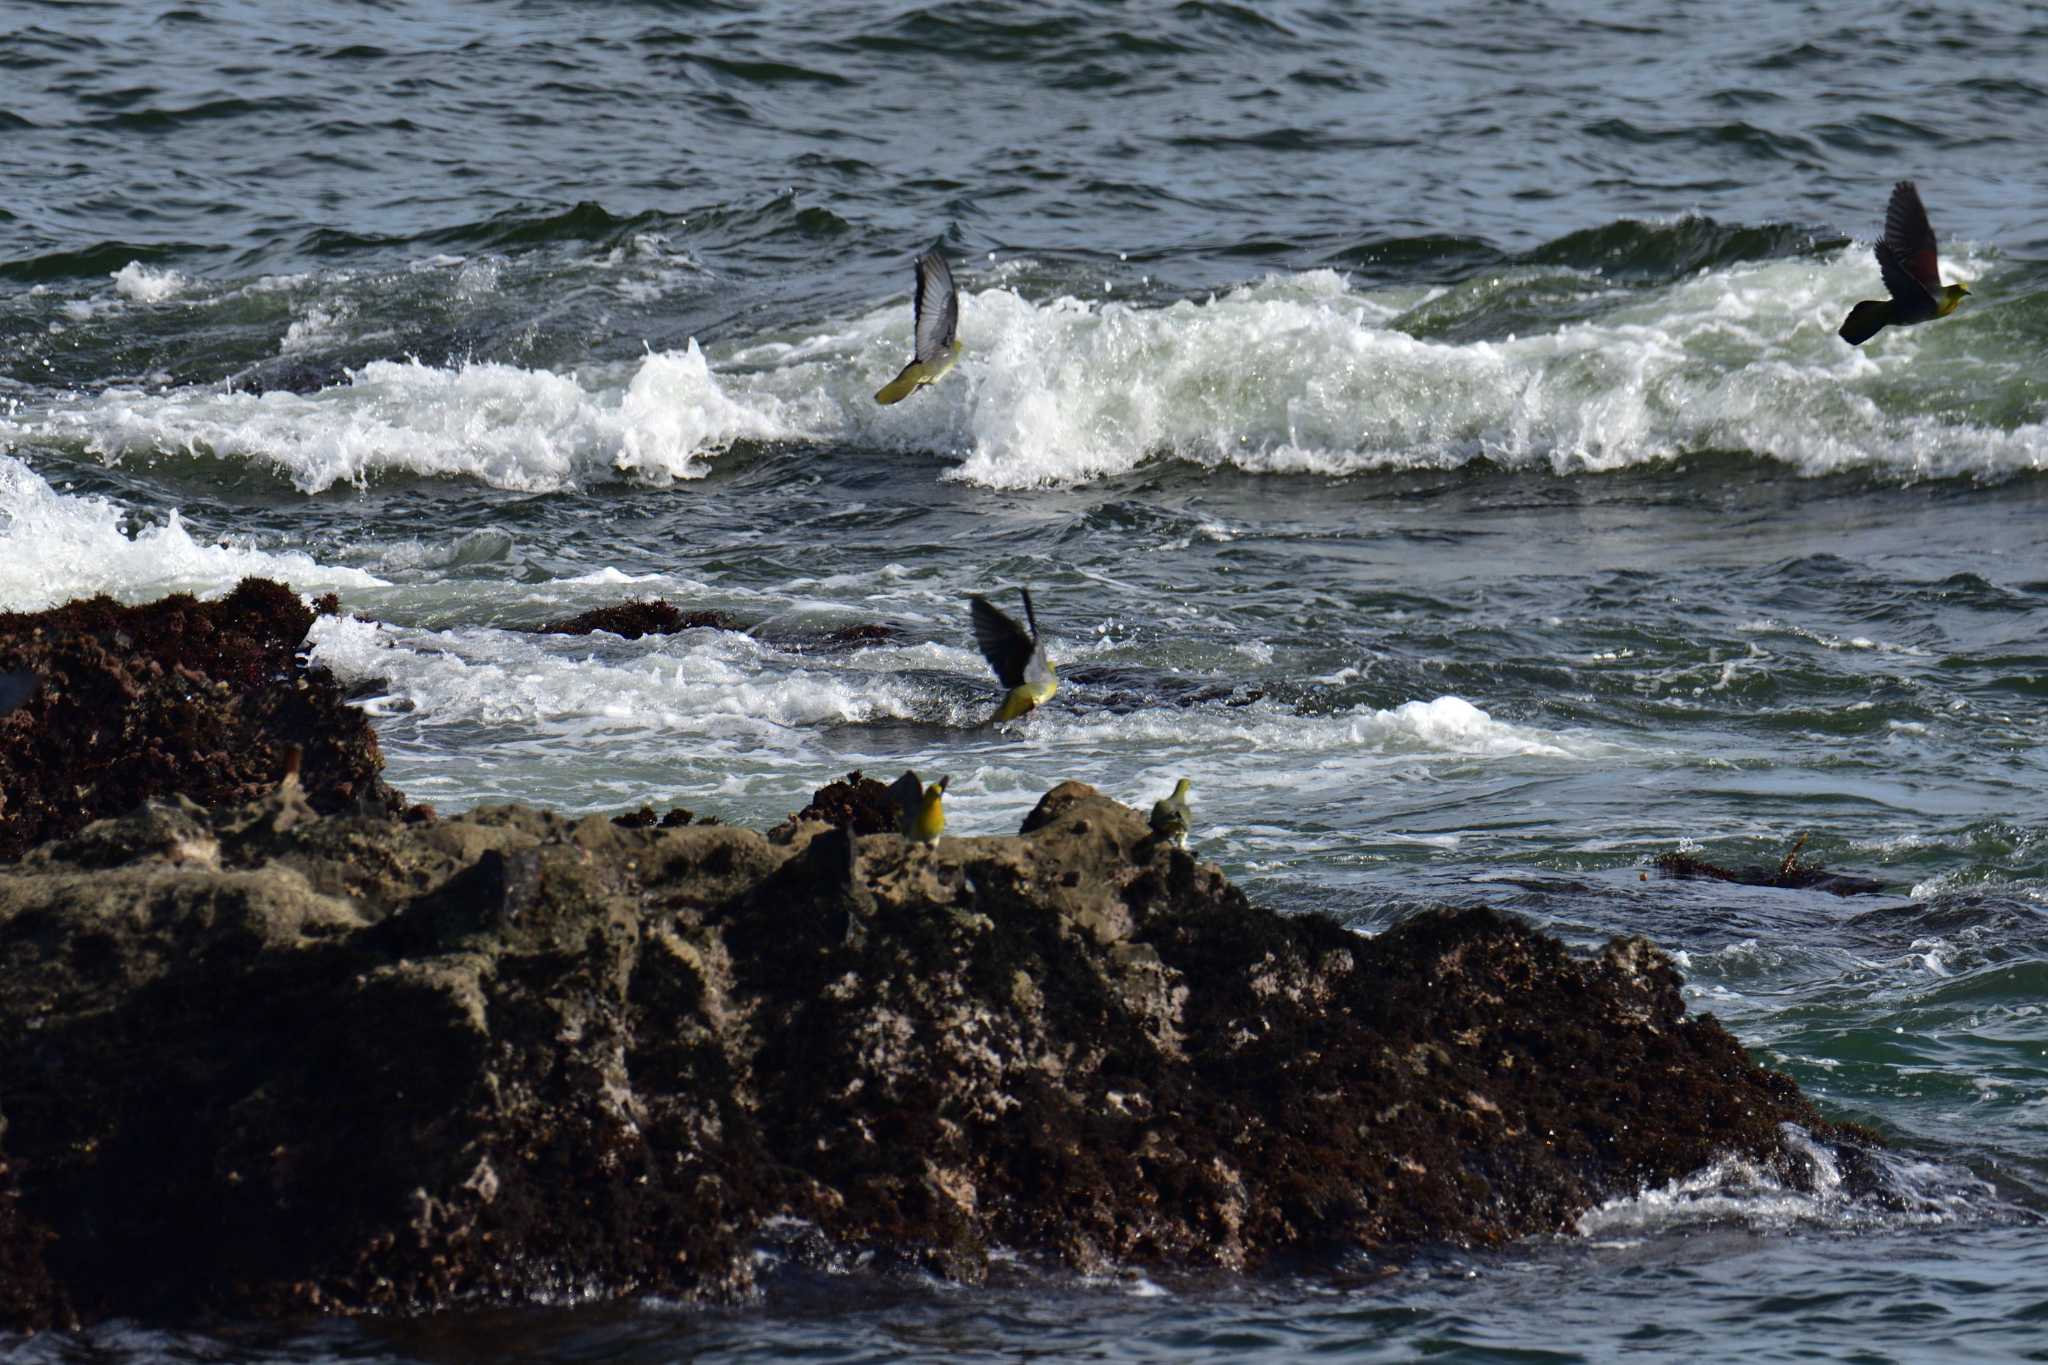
[
  {"x": 936, "y": 307},
  {"x": 1911, "y": 239},
  {"x": 16, "y": 688},
  {"x": 1003, "y": 642},
  {"x": 906, "y": 791},
  {"x": 1915, "y": 302}
]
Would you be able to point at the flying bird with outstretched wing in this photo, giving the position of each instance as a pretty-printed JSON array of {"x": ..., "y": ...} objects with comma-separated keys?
[
  {"x": 935, "y": 313},
  {"x": 1906, "y": 259},
  {"x": 1017, "y": 655}
]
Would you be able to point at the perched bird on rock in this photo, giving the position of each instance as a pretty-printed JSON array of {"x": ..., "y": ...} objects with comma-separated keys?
[
  {"x": 1170, "y": 815},
  {"x": 921, "y": 814},
  {"x": 1905, "y": 257},
  {"x": 1017, "y": 655},
  {"x": 935, "y": 314}
]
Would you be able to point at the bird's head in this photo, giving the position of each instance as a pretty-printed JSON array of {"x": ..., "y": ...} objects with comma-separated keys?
[
  {"x": 937, "y": 789},
  {"x": 1180, "y": 789}
]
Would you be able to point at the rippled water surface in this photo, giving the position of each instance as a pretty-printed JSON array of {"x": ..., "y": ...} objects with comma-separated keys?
[{"x": 1422, "y": 426}]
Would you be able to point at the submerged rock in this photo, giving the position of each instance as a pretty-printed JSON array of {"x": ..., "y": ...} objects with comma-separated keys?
[
  {"x": 656, "y": 616},
  {"x": 1792, "y": 873},
  {"x": 257, "y": 1061},
  {"x": 631, "y": 620},
  {"x": 201, "y": 699}
]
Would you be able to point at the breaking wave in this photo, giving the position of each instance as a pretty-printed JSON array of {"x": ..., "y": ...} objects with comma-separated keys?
[
  {"x": 1542, "y": 362},
  {"x": 56, "y": 547}
]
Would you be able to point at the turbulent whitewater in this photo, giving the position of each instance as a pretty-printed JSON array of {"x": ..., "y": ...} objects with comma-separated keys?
[{"x": 1308, "y": 373}]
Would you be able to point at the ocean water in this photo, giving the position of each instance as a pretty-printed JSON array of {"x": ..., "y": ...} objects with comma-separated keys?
[{"x": 1422, "y": 426}]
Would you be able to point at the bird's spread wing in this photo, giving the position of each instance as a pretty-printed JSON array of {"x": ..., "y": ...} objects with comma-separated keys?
[
  {"x": 936, "y": 307},
  {"x": 1004, "y": 643},
  {"x": 1038, "y": 669},
  {"x": 1910, "y": 238},
  {"x": 1914, "y": 297}
]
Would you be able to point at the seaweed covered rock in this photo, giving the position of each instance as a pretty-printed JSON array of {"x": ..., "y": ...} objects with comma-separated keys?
[
  {"x": 645, "y": 818},
  {"x": 179, "y": 696},
  {"x": 856, "y": 803},
  {"x": 259, "y": 1061},
  {"x": 631, "y": 620}
]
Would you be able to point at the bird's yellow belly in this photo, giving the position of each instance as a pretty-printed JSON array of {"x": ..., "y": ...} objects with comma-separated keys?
[
  {"x": 934, "y": 373},
  {"x": 1024, "y": 698},
  {"x": 931, "y": 818}
]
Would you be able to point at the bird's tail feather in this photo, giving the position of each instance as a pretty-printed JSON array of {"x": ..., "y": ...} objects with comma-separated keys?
[
  {"x": 1866, "y": 320},
  {"x": 898, "y": 389}
]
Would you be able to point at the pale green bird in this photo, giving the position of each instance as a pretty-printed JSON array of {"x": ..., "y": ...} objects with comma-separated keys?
[
  {"x": 1906, "y": 260},
  {"x": 1170, "y": 815},
  {"x": 1017, "y": 655},
  {"x": 935, "y": 314},
  {"x": 921, "y": 812}
]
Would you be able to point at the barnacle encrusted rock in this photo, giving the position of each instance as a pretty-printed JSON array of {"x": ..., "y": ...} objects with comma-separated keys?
[
  {"x": 254, "y": 1059},
  {"x": 178, "y": 697}
]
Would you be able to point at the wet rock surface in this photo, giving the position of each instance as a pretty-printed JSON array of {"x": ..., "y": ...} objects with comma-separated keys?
[
  {"x": 179, "y": 696},
  {"x": 1790, "y": 873},
  {"x": 257, "y": 1060},
  {"x": 631, "y": 620}
]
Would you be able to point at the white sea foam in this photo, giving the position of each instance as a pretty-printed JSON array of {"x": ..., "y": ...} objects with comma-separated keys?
[
  {"x": 317, "y": 327},
  {"x": 55, "y": 547},
  {"x": 509, "y": 427},
  {"x": 1293, "y": 374},
  {"x": 1442, "y": 727},
  {"x": 701, "y": 683},
  {"x": 1306, "y": 374},
  {"x": 144, "y": 285},
  {"x": 606, "y": 721},
  {"x": 1740, "y": 1191}
]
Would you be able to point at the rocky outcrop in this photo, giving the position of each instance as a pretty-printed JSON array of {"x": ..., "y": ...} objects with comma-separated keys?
[
  {"x": 203, "y": 699},
  {"x": 260, "y": 1061},
  {"x": 855, "y": 803},
  {"x": 631, "y": 620}
]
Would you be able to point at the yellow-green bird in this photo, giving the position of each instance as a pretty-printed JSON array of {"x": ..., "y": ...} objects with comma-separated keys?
[
  {"x": 935, "y": 314},
  {"x": 1017, "y": 655},
  {"x": 1905, "y": 257},
  {"x": 1170, "y": 815},
  {"x": 921, "y": 813}
]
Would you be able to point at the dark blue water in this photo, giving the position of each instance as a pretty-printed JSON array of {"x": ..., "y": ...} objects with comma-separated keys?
[{"x": 1421, "y": 426}]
